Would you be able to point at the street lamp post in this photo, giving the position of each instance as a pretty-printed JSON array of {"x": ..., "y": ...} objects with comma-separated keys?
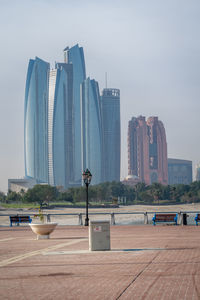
[{"x": 87, "y": 177}]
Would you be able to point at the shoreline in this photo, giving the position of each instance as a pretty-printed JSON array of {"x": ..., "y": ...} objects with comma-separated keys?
[
  {"x": 133, "y": 214},
  {"x": 120, "y": 208}
]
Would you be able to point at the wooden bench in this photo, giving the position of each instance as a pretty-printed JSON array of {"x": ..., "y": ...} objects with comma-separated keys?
[
  {"x": 165, "y": 218},
  {"x": 197, "y": 219},
  {"x": 19, "y": 219}
]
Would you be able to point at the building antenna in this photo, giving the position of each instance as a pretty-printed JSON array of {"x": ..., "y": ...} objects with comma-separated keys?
[{"x": 106, "y": 79}]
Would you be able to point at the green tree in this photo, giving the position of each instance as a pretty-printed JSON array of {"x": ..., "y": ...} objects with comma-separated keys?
[
  {"x": 146, "y": 197},
  {"x": 2, "y": 197},
  {"x": 65, "y": 196},
  {"x": 79, "y": 194},
  {"x": 129, "y": 193},
  {"x": 41, "y": 194},
  {"x": 13, "y": 197},
  {"x": 157, "y": 191},
  {"x": 117, "y": 189},
  {"x": 139, "y": 187},
  {"x": 103, "y": 191}
]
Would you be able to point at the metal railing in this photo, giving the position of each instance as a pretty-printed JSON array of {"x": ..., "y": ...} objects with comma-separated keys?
[{"x": 147, "y": 216}]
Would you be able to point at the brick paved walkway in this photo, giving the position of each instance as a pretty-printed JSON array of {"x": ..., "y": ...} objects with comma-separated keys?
[{"x": 146, "y": 262}]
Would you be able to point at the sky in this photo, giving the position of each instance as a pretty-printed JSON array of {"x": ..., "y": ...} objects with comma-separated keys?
[{"x": 150, "y": 50}]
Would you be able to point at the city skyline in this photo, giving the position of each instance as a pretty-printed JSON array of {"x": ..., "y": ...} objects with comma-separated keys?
[
  {"x": 68, "y": 126},
  {"x": 150, "y": 51}
]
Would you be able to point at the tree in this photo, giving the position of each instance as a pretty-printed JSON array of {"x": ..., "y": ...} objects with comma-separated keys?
[
  {"x": 2, "y": 197},
  {"x": 146, "y": 197},
  {"x": 129, "y": 193},
  {"x": 139, "y": 187},
  {"x": 65, "y": 196},
  {"x": 117, "y": 189},
  {"x": 13, "y": 197},
  {"x": 103, "y": 191},
  {"x": 157, "y": 191},
  {"x": 41, "y": 194}
]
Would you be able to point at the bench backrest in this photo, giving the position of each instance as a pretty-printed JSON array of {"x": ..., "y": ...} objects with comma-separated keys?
[
  {"x": 24, "y": 218},
  {"x": 165, "y": 217},
  {"x": 14, "y": 218},
  {"x": 20, "y": 218}
]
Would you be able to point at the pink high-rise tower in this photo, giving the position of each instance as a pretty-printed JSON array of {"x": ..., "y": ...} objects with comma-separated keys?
[{"x": 147, "y": 150}]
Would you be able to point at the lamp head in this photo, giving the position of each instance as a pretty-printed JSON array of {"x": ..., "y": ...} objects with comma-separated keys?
[{"x": 87, "y": 176}]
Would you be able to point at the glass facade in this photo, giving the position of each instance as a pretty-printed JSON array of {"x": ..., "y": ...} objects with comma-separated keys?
[
  {"x": 52, "y": 87},
  {"x": 60, "y": 126},
  {"x": 35, "y": 121},
  {"x": 110, "y": 103},
  {"x": 75, "y": 56},
  {"x": 68, "y": 127},
  {"x": 91, "y": 131}
]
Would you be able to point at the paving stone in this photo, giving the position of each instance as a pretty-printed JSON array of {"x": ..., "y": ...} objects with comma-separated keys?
[{"x": 145, "y": 262}]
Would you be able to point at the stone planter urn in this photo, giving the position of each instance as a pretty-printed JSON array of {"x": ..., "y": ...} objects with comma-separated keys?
[{"x": 43, "y": 230}]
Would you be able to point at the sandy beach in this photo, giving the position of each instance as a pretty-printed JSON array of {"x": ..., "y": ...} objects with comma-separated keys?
[{"x": 122, "y": 214}]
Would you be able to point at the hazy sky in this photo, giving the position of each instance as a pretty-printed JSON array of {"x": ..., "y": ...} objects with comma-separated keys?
[{"x": 150, "y": 50}]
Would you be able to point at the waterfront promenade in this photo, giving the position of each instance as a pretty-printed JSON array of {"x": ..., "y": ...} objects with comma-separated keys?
[{"x": 145, "y": 262}]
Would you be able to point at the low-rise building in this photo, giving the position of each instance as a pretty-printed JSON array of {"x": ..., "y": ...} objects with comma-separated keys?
[
  {"x": 16, "y": 185},
  {"x": 179, "y": 171}
]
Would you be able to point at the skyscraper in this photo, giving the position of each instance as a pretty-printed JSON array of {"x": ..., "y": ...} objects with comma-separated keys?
[
  {"x": 60, "y": 126},
  {"x": 197, "y": 172},
  {"x": 91, "y": 129},
  {"x": 36, "y": 120},
  {"x": 75, "y": 56},
  {"x": 110, "y": 104},
  {"x": 63, "y": 123},
  {"x": 147, "y": 150},
  {"x": 138, "y": 149},
  {"x": 157, "y": 151}
]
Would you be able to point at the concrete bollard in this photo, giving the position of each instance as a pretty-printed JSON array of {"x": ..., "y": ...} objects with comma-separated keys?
[
  {"x": 180, "y": 219},
  {"x": 80, "y": 220},
  {"x": 112, "y": 219},
  {"x": 145, "y": 218}
]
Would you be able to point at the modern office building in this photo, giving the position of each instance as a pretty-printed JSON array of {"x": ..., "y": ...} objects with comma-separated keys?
[
  {"x": 110, "y": 106},
  {"x": 60, "y": 142},
  {"x": 36, "y": 121},
  {"x": 147, "y": 150},
  {"x": 91, "y": 130},
  {"x": 179, "y": 171},
  {"x": 75, "y": 56},
  {"x": 68, "y": 127},
  {"x": 17, "y": 185},
  {"x": 197, "y": 172}
]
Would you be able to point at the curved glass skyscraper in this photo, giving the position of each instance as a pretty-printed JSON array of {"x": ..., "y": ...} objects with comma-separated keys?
[
  {"x": 75, "y": 56},
  {"x": 110, "y": 102},
  {"x": 91, "y": 130},
  {"x": 60, "y": 126},
  {"x": 35, "y": 120},
  {"x": 68, "y": 127}
]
